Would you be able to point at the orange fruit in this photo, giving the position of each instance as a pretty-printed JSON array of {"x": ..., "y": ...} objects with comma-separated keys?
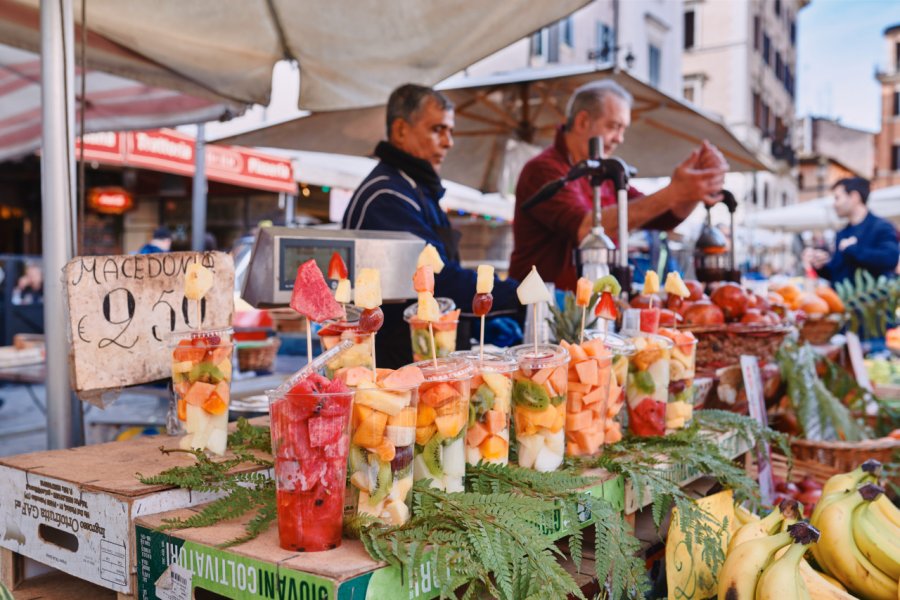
[
  {"x": 182, "y": 410},
  {"x": 831, "y": 298},
  {"x": 788, "y": 292},
  {"x": 215, "y": 405},
  {"x": 812, "y": 305}
]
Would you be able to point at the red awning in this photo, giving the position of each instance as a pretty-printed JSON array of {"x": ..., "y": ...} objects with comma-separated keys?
[{"x": 171, "y": 151}]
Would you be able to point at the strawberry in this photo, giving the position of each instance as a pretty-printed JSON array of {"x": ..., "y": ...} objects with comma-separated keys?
[
  {"x": 336, "y": 267},
  {"x": 606, "y": 307}
]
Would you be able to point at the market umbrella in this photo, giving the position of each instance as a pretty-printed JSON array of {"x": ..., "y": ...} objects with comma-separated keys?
[
  {"x": 818, "y": 214},
  {"x": 112, "y": 104},
  {"x": 502, "y": 120},
  {"x": 351, "y": 52}
]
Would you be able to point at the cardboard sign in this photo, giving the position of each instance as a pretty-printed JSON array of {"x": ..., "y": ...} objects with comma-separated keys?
[
  {"x": 757, "y": 403},
  {"x": 123, "y": 310}
]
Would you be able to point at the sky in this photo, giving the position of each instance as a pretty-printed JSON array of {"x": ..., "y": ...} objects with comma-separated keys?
[{"x": 839, "y": 45}]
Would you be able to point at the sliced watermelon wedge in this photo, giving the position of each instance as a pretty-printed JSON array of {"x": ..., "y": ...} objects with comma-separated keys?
[{"x": 311, "y": 296}]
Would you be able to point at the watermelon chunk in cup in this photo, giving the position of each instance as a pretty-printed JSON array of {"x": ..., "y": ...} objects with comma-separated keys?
[
  {"x": 441, "y": 420},
  {"x": 310, "y": 441},
  {"x": 359, "y": 354},
  {"x": 201, "y": 381},
  {"x": 682, "y": 368},
  {"x": 444, "y": 330},
  {"x": 647, "y": 389},
  {"x": 540, "y": 386},
  {"x": 490, "y": 403},
  {"x": 382, "y": 437}
]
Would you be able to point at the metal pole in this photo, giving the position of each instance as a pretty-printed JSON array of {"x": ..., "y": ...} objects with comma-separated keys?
[
  {"x": 290, "y": 210},
  {"x": 198, "y": 207},
  {"x": 57, "y": 172}
]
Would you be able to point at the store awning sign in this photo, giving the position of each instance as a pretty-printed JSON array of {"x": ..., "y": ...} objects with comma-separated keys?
[
  {"x": 110, "y": 200},
  {"x": 171, "y": 151}
]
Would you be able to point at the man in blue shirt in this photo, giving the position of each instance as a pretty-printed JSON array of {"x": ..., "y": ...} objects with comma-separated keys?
[
  {"x": 402, "y": 194},
  {"x": 161, "y": 242},
  {"x": 867, "y": 242}
]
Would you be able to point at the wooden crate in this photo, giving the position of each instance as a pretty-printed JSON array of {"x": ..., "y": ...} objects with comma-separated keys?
[
  {"x": 74, "y": 510},
  {"x": 261, "y": 569}
]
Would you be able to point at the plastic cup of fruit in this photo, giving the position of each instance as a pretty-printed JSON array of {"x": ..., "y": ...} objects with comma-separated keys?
[
  {"x": 382, "y": 440},
  {"x": 333, "y": 332},
  {"x": 487, "y": 436},
  {"x": 201, "y": 381},
  {"x": 441, "y": 419},
  {"x": 444, "y": 330},
  {"x": 682, "y": 368},
  {"x": 647, "y": 388},
  {"x": 310, "y": 443},
  {"x": 540, "y": 386},
  {"x": 594, "y": 397}
]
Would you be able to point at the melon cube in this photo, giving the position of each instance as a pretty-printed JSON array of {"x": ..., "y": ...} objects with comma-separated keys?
[{"x": 588, "y": 372}]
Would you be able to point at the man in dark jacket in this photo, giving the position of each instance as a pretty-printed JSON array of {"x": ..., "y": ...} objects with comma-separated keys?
[
  {"x": 867, "y": 242},
  {"x": 402, "y": 193}
]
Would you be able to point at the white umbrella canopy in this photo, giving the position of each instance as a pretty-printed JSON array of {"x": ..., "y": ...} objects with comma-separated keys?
[
  {"x": 112, "y": 104},
  {"x": 499, "y": 114},
  {"x": 351, "y": 52},
  {"x": 818, "y": 214}
]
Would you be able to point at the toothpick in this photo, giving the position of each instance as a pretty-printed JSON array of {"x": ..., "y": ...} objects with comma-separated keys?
[
  {"x": 309, "y": 352},
  {"x": 605, "y": 329},
  {"x": 651, "y": 302},
  {"x": 535, "y": 315},
  {"x": 482, "y": 338},
  {"x": 433, "y": 344},
  {"x": 581, "y": 336},
  {"x": 374, "y": 372},
  {"x": 199, "y": 316}
]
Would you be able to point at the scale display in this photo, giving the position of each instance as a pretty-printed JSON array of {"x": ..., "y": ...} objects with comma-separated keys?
[{"x": 295, "y": 252}]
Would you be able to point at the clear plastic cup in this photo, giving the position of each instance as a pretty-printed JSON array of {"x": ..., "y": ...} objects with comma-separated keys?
[
  {"x": 487, "y": 438},
  {"x": 382, "y": 440},
  {"x": 594, "y": 396},
  {"x": 310, "y": 444},
  {"x": 359, "y": 355},
  {"x": 441, "y": 419},
  {"x": 201, "y": 382},
  {"x": 682, "y": 368},
  {"x": 540, "y": 386},
  {"x": 647, "y": 388},
  {"x": 444, "y": 330}
]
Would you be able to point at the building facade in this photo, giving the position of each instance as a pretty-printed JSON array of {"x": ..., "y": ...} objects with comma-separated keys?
[
  {"x": 828, "y": 152},
  {"x": 887, "y": 142},
  {"x": 740, "y": 61}
]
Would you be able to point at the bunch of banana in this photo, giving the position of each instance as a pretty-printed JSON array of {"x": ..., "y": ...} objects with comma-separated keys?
[
  {"x": 860, "y": 540},
  {"x": 771, "y": 523},
  {"x": 781, "y": 579}
]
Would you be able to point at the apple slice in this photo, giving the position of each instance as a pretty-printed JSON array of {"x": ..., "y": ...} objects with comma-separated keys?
[{"x": 532, "y": 289}]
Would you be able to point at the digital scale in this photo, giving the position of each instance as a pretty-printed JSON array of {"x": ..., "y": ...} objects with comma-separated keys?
[{"x": 278, "y": 252}]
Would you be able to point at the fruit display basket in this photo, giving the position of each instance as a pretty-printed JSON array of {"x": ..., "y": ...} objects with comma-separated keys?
[
  {"x": 841, "y": 457},
  {"x": 258, "y": 355},
  {"x": 722, "y": 345},
  {"x": 819, "y": 330}
]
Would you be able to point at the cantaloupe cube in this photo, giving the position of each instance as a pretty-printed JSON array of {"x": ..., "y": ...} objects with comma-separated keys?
[
  {"x": 560, "y": 379},
  {"x": 477, "y": 433},
  {"x": 449, "y": 425},
  {"x": 578, "y": 421},
  {"x": 198, "y": 393},
  {"x": 404, "y": 418},
  {"x": 495, "y": 421},
  {"x": 574, "y": 401},
  {"x": 494, "y": 448},
  {"x": 425, "y": 416},
  {"x": 613, "y": 432},
  {"x": 370, "y": 431},
  {"x": 577, "y": 386},
  {"x": 595, "y": 395},
  {"x": 577, "y": 353},
  {"x": 588, "y": 372},
  {"x": 542, "y": 375}
]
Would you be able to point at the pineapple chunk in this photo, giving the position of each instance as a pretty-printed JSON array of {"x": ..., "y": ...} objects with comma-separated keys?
[
  {"x": 651, "y": 283},
  {"x": 675, "y": 286},
  {"x": 485, "y": 283},
  {"x": 428, "y": 309},
  {"x": 368, "y": 289},
  {"x": 342, "y": 293},
  {"x": 430, "y": 256},
  {"x": 197, "y": 281},
  {"x": 501, "y": 385},
  {"x": 532, "y": 289}
]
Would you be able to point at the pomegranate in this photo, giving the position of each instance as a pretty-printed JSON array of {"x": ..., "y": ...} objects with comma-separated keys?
[
  {"x": 696, "y": 289},
  {"x": 731, "y": 299},
  {"x": 753, "y": 315},
  {"x": 704, "y": 312}
]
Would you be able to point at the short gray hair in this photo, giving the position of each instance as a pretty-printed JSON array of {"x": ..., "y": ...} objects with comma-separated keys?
[
  {"x": 590, "y": 97},
  {"x": 407, "y": 100}
]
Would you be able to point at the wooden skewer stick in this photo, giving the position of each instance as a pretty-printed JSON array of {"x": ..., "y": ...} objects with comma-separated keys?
[
  {"x": 374, "y": 372},
  {"x": 535, "y": 319},
  {"x": 482, "y": 338},
  {"x": 309, "y": 352},
  {"x": 583, "y": 312},
  {"x": 433, "y": 344}
]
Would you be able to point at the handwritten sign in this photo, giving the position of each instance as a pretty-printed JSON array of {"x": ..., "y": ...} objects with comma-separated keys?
[
  {"x": 123, "y": 310},
  {"x": 757, "y": 403}
]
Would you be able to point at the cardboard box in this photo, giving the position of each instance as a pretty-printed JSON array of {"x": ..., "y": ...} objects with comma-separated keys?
[
  {"x": 74, "y": 509},
  {"x": 175, "y": 564}
]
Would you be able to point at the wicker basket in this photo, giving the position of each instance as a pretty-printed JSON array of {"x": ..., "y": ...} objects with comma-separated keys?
[
  {"x": 258, "y": 356},
  {"x": 801, "y": 469},
  {"x": 841, "y": 457},
  {"x": 722, "y": 345},
  {"x": 818, "y": 331}
]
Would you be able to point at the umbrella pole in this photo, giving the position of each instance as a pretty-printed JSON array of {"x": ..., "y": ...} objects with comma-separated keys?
[{"x": 57, "y": 191}]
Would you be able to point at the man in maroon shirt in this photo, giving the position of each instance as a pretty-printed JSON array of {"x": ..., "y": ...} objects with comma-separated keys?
[{"x": 547, "y": 234}]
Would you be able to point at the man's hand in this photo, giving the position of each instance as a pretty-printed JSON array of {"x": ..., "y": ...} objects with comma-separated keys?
[
  {"x": 815, "y": 257},
  {"x": 847, "y": 242},
  {"x": 700, "y": 177}
]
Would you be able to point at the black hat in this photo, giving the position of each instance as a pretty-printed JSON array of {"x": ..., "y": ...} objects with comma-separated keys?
[{"x": 162, "y": 233}]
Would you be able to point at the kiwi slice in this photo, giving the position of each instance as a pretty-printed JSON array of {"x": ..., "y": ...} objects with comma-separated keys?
[
  {"x": 530, "y": 395},
  {"x": 431, "y": 454},
  {"x": 383, "y": 481},
  {"x": 480, "y": 402},
  {"x": 644, "y": 382},
  {"x": 557, "y": 400},
  {"x": 421, "y": 342},
  {"x": 357, "y": 458}
]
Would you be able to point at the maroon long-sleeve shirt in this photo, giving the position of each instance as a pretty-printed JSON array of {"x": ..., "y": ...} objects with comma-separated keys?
[{"x": 546, "y": 235}]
